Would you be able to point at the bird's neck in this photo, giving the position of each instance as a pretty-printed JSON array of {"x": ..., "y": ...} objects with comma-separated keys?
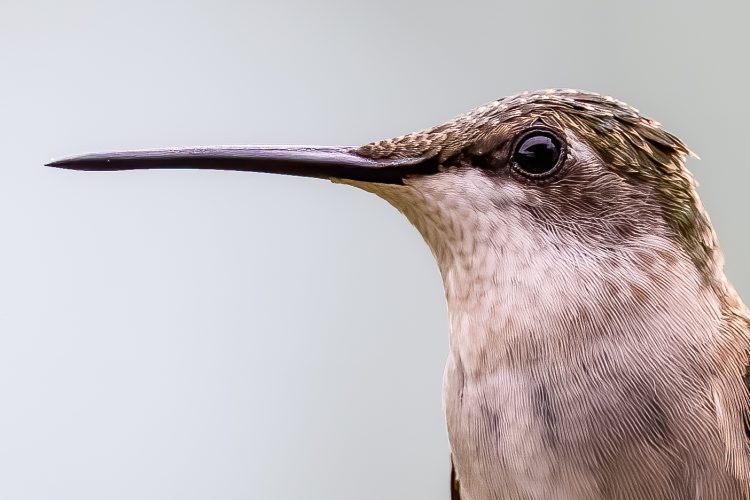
[
  {"x": 517, "y": 298},
  {"x": 520, "y": 295}
]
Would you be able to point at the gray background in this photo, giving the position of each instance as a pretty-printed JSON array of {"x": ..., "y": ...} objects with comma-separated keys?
[{"x": 214, "y": 335}]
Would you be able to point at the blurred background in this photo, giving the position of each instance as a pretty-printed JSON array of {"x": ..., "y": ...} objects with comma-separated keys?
[{"x": 195, "y": 335}]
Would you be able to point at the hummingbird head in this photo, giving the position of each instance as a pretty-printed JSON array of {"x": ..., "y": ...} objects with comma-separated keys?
[
  {"x": 559, "y": 170},
  {"x": 538, "y": 172}
]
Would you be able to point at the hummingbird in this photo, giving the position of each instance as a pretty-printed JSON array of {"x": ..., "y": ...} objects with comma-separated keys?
[{"x": 596, "y": 350}]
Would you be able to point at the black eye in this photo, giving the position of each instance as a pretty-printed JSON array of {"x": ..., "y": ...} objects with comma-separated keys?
[{"x": 537, "y": 153}]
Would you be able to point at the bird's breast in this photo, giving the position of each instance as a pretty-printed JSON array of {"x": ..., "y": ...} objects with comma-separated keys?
[{"x": 505, "y": 437}]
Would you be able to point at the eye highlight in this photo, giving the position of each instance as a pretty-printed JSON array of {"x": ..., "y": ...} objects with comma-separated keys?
[{"x": 537, "y": 153}]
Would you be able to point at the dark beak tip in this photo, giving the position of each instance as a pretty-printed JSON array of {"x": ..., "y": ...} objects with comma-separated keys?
[{"x": 67, "y": 164}]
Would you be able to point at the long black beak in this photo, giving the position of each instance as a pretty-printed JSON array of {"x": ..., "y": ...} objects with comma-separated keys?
[{"x": 307, "y": 161}]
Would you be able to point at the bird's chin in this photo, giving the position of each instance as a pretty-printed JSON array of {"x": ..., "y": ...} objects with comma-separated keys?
[
  {"x": 401, "y": 196},
  {"x": 383, "y": 190}
]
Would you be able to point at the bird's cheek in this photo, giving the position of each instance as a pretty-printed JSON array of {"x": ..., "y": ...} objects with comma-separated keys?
[{"x": 506, "y": 195}]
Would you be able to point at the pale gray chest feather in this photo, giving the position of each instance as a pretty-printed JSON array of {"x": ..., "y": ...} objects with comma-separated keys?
[
  {"x": 581, "y": 401},
  {"x": 516, "y": 436},
  {"x": 576, "y": 372}
]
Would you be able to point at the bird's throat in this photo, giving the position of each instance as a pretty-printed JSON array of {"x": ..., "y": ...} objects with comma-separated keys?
[{"x": 520, "y": 294}]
